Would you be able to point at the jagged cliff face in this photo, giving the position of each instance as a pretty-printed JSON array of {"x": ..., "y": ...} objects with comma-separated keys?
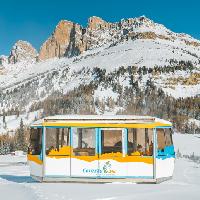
[
  {"x": 96, "y": 23},
  {"x": 22, "y": 51},
  {"x": 65, "y": 41},
  {"x": 70, "y": 39},
  {"x": 3, "y": 60}
]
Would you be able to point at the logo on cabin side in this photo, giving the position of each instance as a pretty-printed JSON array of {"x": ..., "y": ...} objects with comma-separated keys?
[{"x": 106, "y": 169}]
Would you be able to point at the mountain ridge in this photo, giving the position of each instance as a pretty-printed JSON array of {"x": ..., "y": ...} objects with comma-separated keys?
[
  {"x": 71, "y": 39},
  {"x": 134, "y": 65}
]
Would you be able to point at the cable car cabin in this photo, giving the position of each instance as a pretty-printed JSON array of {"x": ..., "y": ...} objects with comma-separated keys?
[{"x": 92, "y": 148}]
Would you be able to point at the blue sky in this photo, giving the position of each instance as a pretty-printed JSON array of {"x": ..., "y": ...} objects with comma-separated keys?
[{"x": 34, "y": 20}]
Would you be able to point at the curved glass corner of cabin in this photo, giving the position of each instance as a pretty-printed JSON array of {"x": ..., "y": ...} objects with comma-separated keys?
[
  {"x": 165, "y": 157},
  {"x": 34, "y": 154}
]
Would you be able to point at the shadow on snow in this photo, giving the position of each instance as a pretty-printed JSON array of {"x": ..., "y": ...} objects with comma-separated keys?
[{"x": 18, "y": 179}]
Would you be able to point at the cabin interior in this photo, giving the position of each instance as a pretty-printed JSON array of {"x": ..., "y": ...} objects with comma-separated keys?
[{"x": 139, "y": 141}]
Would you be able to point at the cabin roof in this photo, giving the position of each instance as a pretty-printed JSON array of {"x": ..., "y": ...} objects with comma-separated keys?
[{"x": 99, "y": 119}]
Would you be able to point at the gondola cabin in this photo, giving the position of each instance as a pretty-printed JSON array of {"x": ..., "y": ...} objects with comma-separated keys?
[{"x": 92, "y": 148}]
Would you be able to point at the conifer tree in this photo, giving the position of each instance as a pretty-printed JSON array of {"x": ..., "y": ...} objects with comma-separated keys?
[{"x": 21, "y": 144}]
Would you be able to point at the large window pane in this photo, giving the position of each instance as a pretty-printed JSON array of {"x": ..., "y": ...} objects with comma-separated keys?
[
  {"x": 140, "y": 142},
  {"x": 56, "y": 139},
  {"x": 35, "y": 145},
  {"x": 84, "y": 141},
  {"x": 112, "y": 141},
  {"x": 161, "y": 139},
  {"x": 168, "y": 137},
  {"x": 164, "y": 137}
]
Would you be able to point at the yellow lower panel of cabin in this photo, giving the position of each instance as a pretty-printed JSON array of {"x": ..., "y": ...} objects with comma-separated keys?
[{"x": 34, "y": 158}]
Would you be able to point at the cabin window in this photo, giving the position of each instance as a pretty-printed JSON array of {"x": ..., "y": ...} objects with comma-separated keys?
[
  {"x": 56, "y": 140},
  {"x": 168, "y": 137},
  {"x": 111, "y": 141},
  {"x": 35, "y": 145},
  {"x": 84, "y": 141},
  {"x": 164, "y": 137},
  {"x": 140, "y": 142}
]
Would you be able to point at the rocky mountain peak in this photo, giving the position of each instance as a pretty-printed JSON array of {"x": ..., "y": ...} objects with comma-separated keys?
[
  {"x": 71, "y": 39},
  {"x": 22, "y": 51},
  {"x": 138, "y": 22},
  {"x": 62, "y": 31},
  {"x": 3, "y": 60},
  {"x": 95, "y": 23},
  {"x": 60, "y": 43},
  {"x": 145, "y": 19}
]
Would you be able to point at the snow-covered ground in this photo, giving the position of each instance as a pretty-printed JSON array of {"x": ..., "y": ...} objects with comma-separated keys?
[
  {"x": 187, "y": 144},
  {"x": 15, "y": 182}
]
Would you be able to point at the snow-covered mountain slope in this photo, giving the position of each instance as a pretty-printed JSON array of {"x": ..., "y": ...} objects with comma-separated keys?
[
  {"x": 119, "y": 56},
  {"x": 139, "y": 53}
]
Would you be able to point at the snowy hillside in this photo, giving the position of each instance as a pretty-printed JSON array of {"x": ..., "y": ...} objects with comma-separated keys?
[
  {"x": 149, "y": 53},
  {"x": 70, "y": 72},
  {"x": 187, "y": 144}
]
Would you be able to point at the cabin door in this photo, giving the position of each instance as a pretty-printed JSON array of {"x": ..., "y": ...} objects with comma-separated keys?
[
  {"x": 57, "y": 160},
  {"x": 140, "y": 153},
  {"x": 112, "y": 153},
  {"x": 84, "y": 158}
]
